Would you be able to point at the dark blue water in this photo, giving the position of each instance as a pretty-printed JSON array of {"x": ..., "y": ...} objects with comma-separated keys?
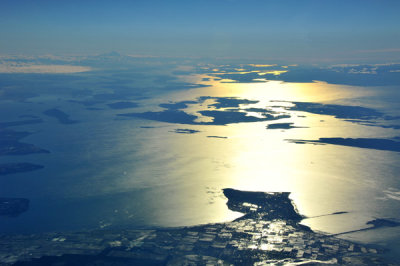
[{"x": 110, "y": 171}]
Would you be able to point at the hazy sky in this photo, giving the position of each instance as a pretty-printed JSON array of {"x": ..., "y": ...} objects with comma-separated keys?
[{"x": 295, "y": 30}]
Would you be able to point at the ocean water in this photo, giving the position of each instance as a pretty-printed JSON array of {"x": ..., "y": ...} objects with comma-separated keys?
[{"x": 111, "y": 171}]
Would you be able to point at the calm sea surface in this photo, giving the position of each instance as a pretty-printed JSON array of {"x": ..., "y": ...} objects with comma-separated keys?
[{"x": 109, "y": 171}]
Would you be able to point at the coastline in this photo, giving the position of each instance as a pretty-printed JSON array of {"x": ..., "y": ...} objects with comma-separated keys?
[{"x": 268, "y": 232}]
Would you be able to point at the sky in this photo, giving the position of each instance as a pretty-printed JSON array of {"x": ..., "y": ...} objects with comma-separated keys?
[{"x": 297, "y": 30}]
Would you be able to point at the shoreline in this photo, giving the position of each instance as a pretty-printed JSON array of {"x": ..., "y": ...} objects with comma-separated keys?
[{"x": 268, "y": 232}]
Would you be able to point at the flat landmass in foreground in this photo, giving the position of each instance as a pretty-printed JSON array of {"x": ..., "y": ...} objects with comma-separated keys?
[{"x": 269, "y": 232}]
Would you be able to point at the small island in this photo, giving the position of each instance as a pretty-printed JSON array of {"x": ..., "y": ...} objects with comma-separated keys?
[
  {"x": 365, "y": 143},
  {"x": 62, "y": 117},
  {"x": 10, "y": 144},
  {"x": 13, "y": 168},
  {"x": 185, "y": 131},
  {"x": 282, "y": 126},
  {"x": 217, "y": 137},
  {"x": 13, "y": 206}
]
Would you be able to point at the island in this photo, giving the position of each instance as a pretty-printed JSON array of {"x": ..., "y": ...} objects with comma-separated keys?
[
  {"x": 62, "y": 117},
  {"x": 185, "y": 131},
  {"x": 13, "y": 168},
  {"x": 282, "y": 126},
  {"x": 10, "y": 143},
  {"x": 366, "y": 143},
  {"x": 13, "y": 206},
  {"x": 217, "y": 137},
  {"x": 222, "y": 110}
]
